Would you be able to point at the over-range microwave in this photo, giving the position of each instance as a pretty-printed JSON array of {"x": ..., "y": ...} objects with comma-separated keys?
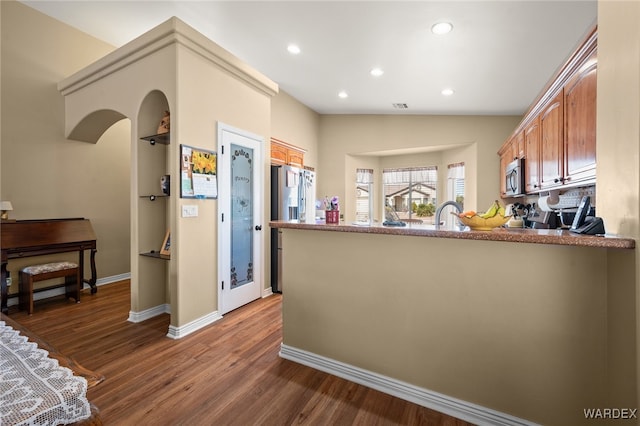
[{"x": 514, "y": 178}]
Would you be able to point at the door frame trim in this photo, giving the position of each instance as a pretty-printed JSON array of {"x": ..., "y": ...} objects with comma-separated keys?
[{"x": 258, "y": 261}]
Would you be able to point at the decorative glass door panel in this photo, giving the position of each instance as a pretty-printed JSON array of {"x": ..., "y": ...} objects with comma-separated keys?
[
  {"x": 240, "y": 212},
  {"x": 241, "y": 216}
]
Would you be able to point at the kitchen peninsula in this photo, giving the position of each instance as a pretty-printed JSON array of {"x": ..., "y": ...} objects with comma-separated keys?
[
  {"x": 516, "y": 235},
  {"x": 482, "y": 325}
]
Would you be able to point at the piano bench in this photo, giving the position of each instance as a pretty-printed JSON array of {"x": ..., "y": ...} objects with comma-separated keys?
[{"x": 47, "y": 271}]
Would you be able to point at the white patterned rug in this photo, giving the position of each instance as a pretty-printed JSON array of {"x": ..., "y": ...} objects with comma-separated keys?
[{"x": 35, "y": 389}]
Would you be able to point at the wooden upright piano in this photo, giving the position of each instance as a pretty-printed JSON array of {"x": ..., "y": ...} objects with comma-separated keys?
[{"x": 26, "y": 238}]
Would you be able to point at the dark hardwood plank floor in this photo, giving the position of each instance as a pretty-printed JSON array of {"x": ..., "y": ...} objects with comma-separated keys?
[{"x": 228, "y": 373}]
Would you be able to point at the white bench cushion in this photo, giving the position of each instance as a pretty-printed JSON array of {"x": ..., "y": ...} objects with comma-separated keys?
[{"x": 49, "y": 267}]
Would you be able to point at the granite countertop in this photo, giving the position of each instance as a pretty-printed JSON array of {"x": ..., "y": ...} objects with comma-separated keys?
[{"x": 515, "y": 235}]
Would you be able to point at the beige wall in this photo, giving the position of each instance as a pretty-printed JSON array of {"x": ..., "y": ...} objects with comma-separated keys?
[
  {"x": 296, "y": 124},
  {"x": 203, "y": 103},
  {"x": 618, "y": 152},
  {"x": 473, "y": 327},
  {"x": 618, "y": 127},
  {"x": 45, "y": 175},
  {"x": 342, "y": 137}
]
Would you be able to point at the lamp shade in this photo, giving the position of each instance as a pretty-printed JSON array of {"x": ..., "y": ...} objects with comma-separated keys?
[{"x": 6, "y": 205}]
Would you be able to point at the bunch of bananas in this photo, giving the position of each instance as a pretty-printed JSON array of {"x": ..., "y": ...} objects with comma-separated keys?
[
  {"x": 493, "y": 217},
  {"x": 495, "y": 209}
]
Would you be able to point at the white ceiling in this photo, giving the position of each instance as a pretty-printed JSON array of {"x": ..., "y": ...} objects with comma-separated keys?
[{"x": 498, "y": 57}]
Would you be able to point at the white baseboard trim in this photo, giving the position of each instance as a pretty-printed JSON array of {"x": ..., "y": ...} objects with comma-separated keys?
[
  {"x": 436, "y": 401},
  {"x": 179, "y": 332},
  {"x": 149, "y": 313},
  {"x": 111, "y": 279},
  {"x": 13, "y": 299}
]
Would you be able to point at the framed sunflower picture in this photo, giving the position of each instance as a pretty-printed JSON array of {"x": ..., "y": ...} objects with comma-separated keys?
[{"x": 198, "y": 173}]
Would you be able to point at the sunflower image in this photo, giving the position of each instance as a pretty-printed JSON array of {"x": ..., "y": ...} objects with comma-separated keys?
[{"x": 203, "y": 163}]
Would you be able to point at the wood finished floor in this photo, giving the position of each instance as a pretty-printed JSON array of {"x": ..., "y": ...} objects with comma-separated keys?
[{"x": 228, "y": 373}]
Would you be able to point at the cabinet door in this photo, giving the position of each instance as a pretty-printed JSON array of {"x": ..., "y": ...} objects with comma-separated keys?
[
  {"x": 532, "y": 156},
  {"x": 283, "y": 153},
  {"x": 580, "y": 124},
  {"x": 552, "y": 143},
  {"x": 279, "y": 154},
  {"x": 295, "y": 158}
]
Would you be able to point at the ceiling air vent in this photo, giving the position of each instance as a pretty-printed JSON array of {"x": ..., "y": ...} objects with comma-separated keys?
[{"x": 400, "y": 106}]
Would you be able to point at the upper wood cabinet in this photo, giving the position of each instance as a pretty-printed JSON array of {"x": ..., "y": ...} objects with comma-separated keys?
[
  {"x": 580, "y": 124},
  {"x": 552, "y": 142},
  {"x": 295, "y": 158},
  {"x": 279, "y": 153},
  {"x": 532, "y": 156},
  {"x": 519, "y": 145},
  {"x": 559, "y": 130},
  {"x": 285, "y": 153}
]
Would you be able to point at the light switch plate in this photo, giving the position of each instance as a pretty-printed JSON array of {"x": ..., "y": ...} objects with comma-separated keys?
[{"x": 190, "y": 211}]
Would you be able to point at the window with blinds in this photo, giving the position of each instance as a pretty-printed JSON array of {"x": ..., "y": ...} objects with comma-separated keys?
[
  {"x": 411, "y": 192},
  {"x": 364, "y": 195},
  {"x": 455, "y": 183}
]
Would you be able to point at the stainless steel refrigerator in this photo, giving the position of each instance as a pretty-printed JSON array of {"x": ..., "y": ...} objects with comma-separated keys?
[{"x": 293, "y": 198}]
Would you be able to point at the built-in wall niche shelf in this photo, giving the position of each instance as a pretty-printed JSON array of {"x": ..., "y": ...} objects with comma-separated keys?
[
  {"x": 162, "y": 138},
  {"x": 156, "y": 255}
]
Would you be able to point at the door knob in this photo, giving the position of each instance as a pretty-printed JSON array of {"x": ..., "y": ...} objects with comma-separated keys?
[{"x": 258, "y": 227}]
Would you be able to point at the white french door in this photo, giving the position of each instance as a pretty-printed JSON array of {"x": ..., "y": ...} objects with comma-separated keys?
[{"x": 240, "y": 201}]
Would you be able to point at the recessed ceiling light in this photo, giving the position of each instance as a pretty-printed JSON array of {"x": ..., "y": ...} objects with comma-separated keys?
[
  {"x": 294, "y": 49},
  {"x": 343, "y": 95},
  {"x": 377, "y": 72},
  {"x": 441, "y": 28},
  {"x": 447, "y": 92}
]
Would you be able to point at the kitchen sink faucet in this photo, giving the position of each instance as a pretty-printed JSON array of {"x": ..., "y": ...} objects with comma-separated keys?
[{"x": 442, "y": 206}]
